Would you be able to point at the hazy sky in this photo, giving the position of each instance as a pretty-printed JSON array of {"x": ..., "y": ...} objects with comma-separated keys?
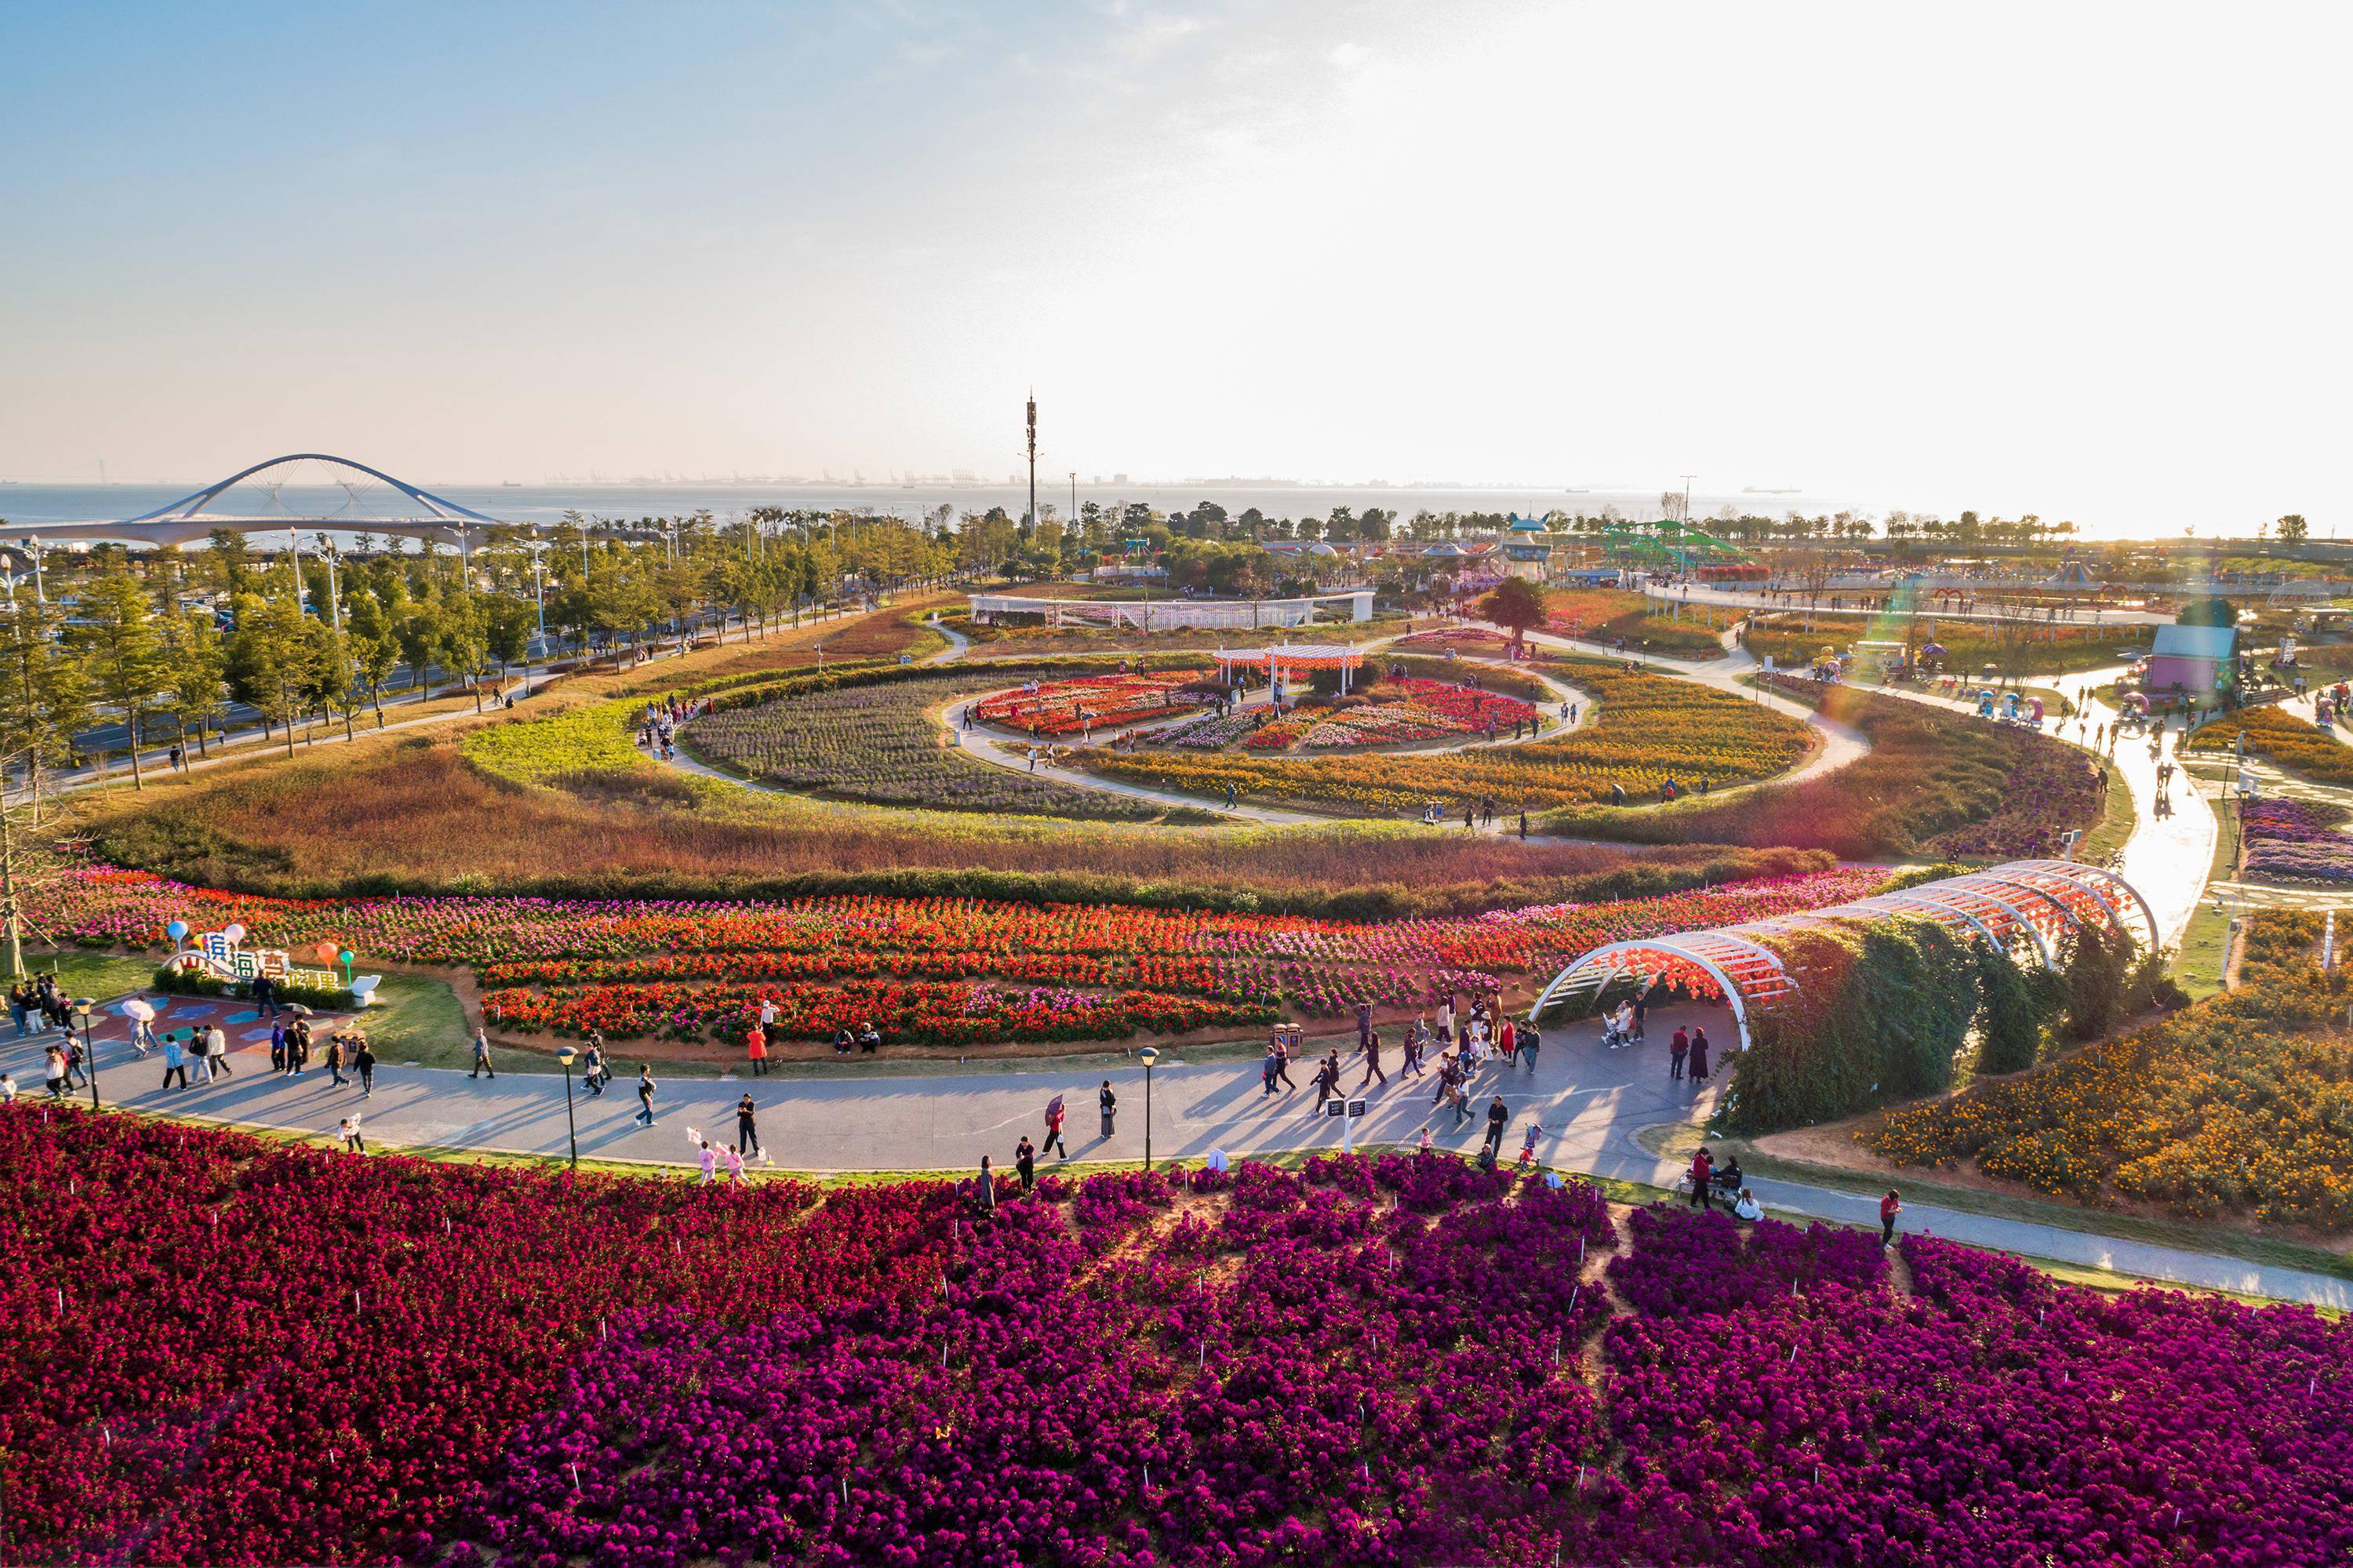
[{"x": 2084, "y": 259}]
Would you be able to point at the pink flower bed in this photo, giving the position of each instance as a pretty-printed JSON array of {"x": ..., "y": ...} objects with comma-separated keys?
[{"x": 222, "y": 1349}]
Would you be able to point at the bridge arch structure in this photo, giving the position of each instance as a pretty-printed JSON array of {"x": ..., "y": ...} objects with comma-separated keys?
[
  {"x": 2032, "y": 905},
  {"x": 301, "y": 490}
]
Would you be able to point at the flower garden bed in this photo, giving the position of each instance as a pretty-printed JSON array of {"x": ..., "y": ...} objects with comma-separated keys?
[
  {"x": 878, "y": 740},
  {"x": 2296, "y": 840},
  {"x": 1071, "y": 705},
  {"x": 690, "y": 970},
  {"x": 1936, "y": 783},
  {"x": 1648, "y": 728},
  {"x": 2234, "y": 1106},
  {"x": 2277, "y": 736},
  {"x": 224, "y": 1350},
  {"x": 1605, "y": 615}
]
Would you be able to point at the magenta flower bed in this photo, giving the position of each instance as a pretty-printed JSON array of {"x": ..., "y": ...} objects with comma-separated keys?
[
  {"x": 2297, "y": 840},
  {"x": 1388, "y": 1360}
]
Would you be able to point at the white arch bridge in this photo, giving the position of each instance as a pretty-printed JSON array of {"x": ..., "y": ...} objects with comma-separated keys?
[
  {"x": 2031, "y": 904},
  {"x": 301, "y": 491}
]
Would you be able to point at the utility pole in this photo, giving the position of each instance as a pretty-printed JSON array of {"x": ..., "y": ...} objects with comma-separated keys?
[
  {"x": 1074, "y": 499},
  {"x": 1033, "y": 463},
  {"x": 334, "y": 600}
]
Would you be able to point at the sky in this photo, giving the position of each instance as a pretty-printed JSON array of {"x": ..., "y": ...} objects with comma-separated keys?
[{"x": 2084, "y": 259}]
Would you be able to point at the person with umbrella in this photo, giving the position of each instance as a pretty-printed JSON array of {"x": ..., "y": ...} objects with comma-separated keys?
[{"x": 1054, "y": 1115}]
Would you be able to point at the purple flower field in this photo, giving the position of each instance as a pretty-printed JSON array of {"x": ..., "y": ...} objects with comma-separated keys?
[
  {"x": 2297, "y": 840},
  {"x": 1405, "y": 1360}
]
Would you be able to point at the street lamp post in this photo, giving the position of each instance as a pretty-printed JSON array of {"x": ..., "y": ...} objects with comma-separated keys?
[
  {"x": 1150, "y": 1055},
  {"x": 572, "y": 1129},
  {"x": 81, "y": 1010}
]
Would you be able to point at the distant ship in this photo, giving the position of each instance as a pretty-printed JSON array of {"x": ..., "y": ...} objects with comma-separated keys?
[
  {"x": 511, "y": 483},
  {"x": 1576, "y": 490},
  {"x": 1753, "y": 490}
]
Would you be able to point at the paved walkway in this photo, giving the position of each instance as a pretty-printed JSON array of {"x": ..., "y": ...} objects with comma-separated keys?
[
  {"x": 2167, "y": 857},
  {"x": 1854, "y": 600},
  {"x": 1589, "y": 1102}
]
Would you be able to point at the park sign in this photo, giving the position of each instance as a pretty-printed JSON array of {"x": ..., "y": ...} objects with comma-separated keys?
[{"x": 219, "y": 955}]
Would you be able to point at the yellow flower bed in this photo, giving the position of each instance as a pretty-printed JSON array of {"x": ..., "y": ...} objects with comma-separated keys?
[
  {"x": 2281, "y": 737},
  {"x": 1650, "y": 728},
  {"x": 2242, "y": 1104}
]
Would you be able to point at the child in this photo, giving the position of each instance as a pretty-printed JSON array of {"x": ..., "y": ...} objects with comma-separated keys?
[{"x": 1528, "y": 1150}]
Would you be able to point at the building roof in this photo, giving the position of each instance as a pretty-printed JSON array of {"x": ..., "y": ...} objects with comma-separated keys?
[
  {"x": 2194, "y": 641},
  {"x": 1529, "y": 524}
]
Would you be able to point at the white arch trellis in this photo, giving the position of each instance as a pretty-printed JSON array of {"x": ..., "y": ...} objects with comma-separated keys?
[{"x": 2039, "y": 902}]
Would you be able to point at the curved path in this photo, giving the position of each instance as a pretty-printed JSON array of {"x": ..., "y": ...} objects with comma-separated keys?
[
  {"x": 1588, "y": 1101},
  {"x": 1000, "y": 747}
]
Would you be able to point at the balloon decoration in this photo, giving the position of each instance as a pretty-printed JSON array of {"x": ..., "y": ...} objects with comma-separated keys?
[
  {"x": 178, "y": 931},
  {"x": 234, "y": 931},
  {"x": 326, "y": 952},
  {"x": 345, "y": 956}
]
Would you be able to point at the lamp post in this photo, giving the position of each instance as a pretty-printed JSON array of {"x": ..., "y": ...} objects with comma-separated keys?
[
  {"x": 81, "y": 1009},
  {"x": 1150, "y": 1055},
  {"x": 572, "y": 1129}
]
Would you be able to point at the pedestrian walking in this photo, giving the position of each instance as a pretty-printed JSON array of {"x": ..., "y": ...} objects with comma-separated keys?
[
  {"x": 216, "y": 1052},
  {"x": 1703, "y": 1172},
  {"x": 594, "y": 1072},
  {"x": 708, "y": 1157},
  {"x": 1415, "y": 1036},
  {"x": 1109, "y": 1104},
  {"x": 482, "y": 1053},
  {"x": 1054, "y": 1115},
  {"x": 1499, "y": 1121},
  {"x": 1373, "y": 1061},
  {"x": 335, "y": 1058},
  {"x": 53, "y": 1072},
  {"x": 298, "y": 1049},
  {"x": 747, "y": 1130},
  {"x": 987, "y": 1192},
  {"x": 1530, "y": 1038},
  {"x": 364, "y": 1058},
  {"x": 1025, "y": 1160},
  {"x": 1698, "y": 1059},
  {"x": 1266, "y": 1071},
  {"x": 1363, "y": 1024},
  {"x": 1282, "y": 1065},
  {"x": 1327, "y": 1081},
  {"x": 1528, "y": 1150},
  {"x": 176, "y": 1062},
  {"x": 645, "y": 1095},
  {"x": 1889, "y": 1207},
  {"x": 353, "y": 1142},
  {"x": 1678, "y": 1047},
  {"x": 736, "y": 1167},
  {"x": 755, "y": 1047},
  {"x": 278, "y": 1047}
]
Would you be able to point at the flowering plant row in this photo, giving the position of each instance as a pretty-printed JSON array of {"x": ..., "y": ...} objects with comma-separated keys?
[
  {"x": 2234, "y": 1105},
  {"x": 1649, "y": 729},
  {"x": 223, "y": 1349},
  {"x": 915, "y": 1012},
  {"x": 1066, "y": 707},
  {"x": 880, "y": 741},
  {"x": 685, "y": 969},
  {"x": 2296, "y": 840}
]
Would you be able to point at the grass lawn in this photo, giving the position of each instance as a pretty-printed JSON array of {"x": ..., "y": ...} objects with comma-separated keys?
[
  {"x": 417, "y": 1018},
  {"x": 2205, "y": 950},
  {"x": 99, "y": 976}
]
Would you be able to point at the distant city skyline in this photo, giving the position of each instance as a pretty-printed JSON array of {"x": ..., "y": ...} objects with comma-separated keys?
[{"x": 2019, "y": 259}]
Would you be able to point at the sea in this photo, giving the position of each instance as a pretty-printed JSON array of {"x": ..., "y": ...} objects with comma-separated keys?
[{"x": 24, "y": 505}]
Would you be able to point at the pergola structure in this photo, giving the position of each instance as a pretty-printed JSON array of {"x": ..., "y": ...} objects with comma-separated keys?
[
  {"x": 2025, "y": 904},
  {"x": 1287, "y": 659}
]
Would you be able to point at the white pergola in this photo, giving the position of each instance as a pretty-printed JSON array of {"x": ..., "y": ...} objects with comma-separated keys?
[
  {"x": 2032, "y": 903},
  {"x": 1179, "y": 614}
]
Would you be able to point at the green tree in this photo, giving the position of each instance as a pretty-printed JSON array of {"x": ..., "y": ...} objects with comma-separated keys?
[
  {"x": 2294, "y": 529},
  {"x": 196, "y": 664},
  {"x": 1516, "y": 604},
  {"x": 507, "y": 631},
  {"x": 119, "y": 641},
  {"x": 375, "y": 648},
  {"x": 44, "y": 697}
]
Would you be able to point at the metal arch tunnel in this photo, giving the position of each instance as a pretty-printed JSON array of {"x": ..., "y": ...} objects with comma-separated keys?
[{"x": 2036, "y": 901}]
